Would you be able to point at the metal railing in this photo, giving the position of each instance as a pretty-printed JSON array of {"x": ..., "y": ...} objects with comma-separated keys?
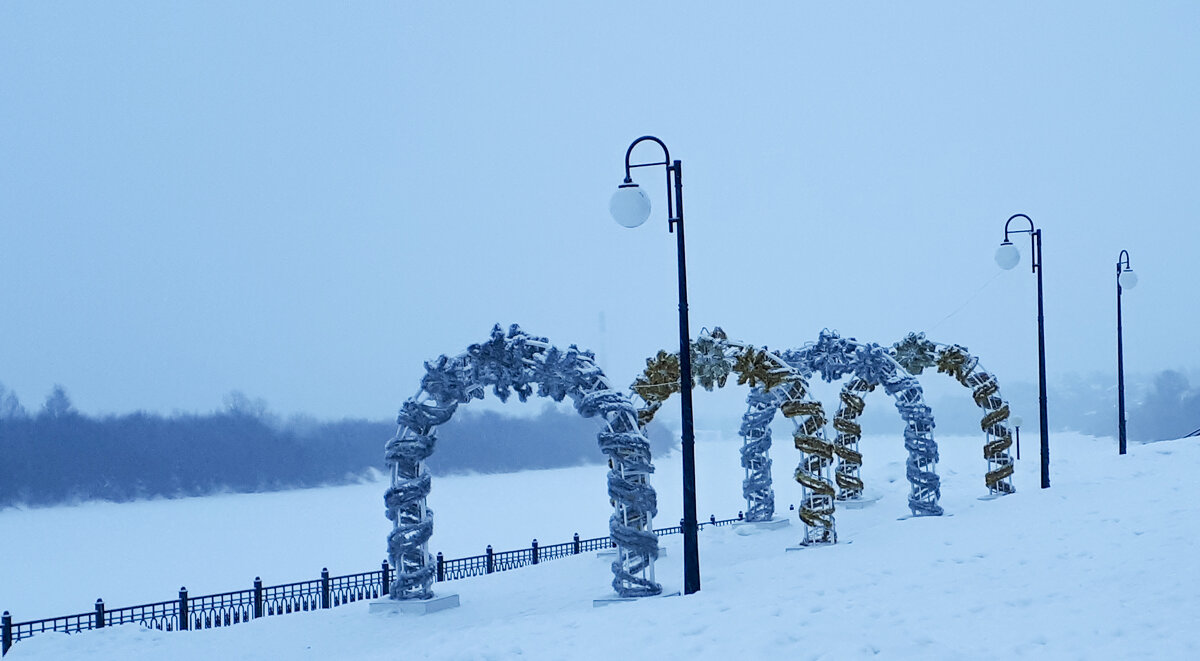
[{"x": 229, "y": 608}]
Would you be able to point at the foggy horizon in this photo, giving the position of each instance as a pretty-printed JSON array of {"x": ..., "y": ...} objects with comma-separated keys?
[{"x": 721, "y": 409}]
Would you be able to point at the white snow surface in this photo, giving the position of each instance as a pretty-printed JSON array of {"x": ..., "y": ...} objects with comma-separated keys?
[{"x": 1102, "y": 565}]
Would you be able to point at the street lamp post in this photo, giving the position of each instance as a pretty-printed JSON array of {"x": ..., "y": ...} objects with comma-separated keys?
[
  {"x": 1130, "y": 280},
  {"x": 1016, "y": 421},
  {"x": 1007, "y": 256},
  {"x": 630, "y": 207}
]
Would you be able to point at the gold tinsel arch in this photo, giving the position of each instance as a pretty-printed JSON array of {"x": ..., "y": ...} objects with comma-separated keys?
[{"x": 916, "y": 353}]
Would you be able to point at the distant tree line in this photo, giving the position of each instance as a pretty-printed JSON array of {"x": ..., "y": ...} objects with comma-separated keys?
[
  {"x": 59, "y": 455},
  {"x": 56, "y": 454},
  {"x": 1162, "y": 408}
]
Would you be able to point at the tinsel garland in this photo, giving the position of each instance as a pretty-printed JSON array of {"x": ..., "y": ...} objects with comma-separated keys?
[
  {"x": 656, "y": 384},
  {"x": 915, "y": 353},
  {"x": 831, "y": 356},
  {"x": 755, "y": 454},
  {"x": 828, "y": 359},
  {"x": 816, "y": 503},
  {"x": 710, "y": 363},
  {"x": 921, "y": 466},
  {"x": 849, "y": 433},
  {"x": 754, "y": 367},
  {"x": 516, "y": 362},
  {"x": 773, "y": 384}
]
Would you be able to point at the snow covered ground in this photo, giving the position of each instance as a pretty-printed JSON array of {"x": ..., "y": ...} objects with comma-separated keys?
[{"x": 1102, "y": 565}]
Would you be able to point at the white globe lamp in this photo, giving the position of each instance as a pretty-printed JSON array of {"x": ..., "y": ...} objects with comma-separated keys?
[
  {"x": 1129, "y": 279},
  {"x": 1007, "y": 255},
  {"x": 629, "y": 206}
]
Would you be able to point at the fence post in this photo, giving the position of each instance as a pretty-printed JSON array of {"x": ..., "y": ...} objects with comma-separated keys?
[
  {"x": 575, "y": 548},
  {"x": 712, "y": 518},
  {"x": 183, "y": 609},
  {"x": 740, "y": 515},
  {"x": 99, "y": 613},
  {"x": 535, "y": 551},
  {"x": 5, "y": 633},
  {"x": 491, "y": 561},
  {"x": 258, "y": 597},
  {"x": 441, "y": 572},
  {"x": 325, "y": 587},
  {"x": 387, "y": 583}
]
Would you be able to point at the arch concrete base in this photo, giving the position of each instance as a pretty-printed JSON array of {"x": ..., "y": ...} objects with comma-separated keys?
[
  {"x": 384, "y": 605},
  {"x": 612, "y": 553},
  {"x": 866, "y": 500},
  {"x": 751, "y": 527},
  {"x": 597, "y": 603}
]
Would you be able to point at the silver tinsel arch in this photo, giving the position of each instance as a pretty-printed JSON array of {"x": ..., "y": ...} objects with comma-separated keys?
[
  {"x": 870, "y": 365},
  {"x": 775, "y": 386},
  {"x": 516, "y": 362}
]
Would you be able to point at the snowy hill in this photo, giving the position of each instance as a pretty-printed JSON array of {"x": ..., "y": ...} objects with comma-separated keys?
[{"x": 1101, "y": 565}]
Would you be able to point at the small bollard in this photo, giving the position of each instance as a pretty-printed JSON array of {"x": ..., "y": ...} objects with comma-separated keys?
[
  {"x": 387, "y": 579},
  {"x": 99, "y": 613},
  {"x": 6, "y": 640},
  {"x": 325, "y": 588},
  {"x": 441, "y": 567},
  {"x": 183, "y": 609}
]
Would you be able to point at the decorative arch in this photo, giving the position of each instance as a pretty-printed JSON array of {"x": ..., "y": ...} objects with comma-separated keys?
[
  {"x": 916, "y": 353},
  {"x": 515, "y": 362},
  {"x": 869, "y": 366},
  {"x": 775, "y": 386}
]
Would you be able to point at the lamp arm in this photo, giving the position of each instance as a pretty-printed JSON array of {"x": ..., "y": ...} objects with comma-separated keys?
[
  {"x": 1014, "y": 217},
  {"x": 674, "y": 202},
  {"x": 628, "y": 152}
]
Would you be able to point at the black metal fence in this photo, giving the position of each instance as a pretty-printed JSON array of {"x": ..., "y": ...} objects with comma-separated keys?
[{"x": 229, "y": 608}]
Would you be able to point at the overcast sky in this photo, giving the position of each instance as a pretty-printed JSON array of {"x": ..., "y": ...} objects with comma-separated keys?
[{"x": 305, "y": 201}]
